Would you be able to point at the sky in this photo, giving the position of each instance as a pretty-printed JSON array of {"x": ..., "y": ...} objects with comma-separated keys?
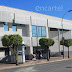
[{"x": 55, "y": 8}]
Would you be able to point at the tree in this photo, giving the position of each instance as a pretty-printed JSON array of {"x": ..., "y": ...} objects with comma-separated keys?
[
  {"x": 12, "y": 41},
  {"x": 46, "y": 42},
  {"x": 67, "y": 43},
  {"x": 5, "y": 42},
  {"x": 16, "y": 40}
]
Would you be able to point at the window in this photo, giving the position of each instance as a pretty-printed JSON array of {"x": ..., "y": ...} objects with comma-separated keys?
[
  {"x": 37, "y": 49},
  {"x": 6, "y": 27},
  {"x": 14, "y": 27},
  {"x": 43, "y": 31},
  {"x": 20, "y": 53},
  {"x": 38, "y": 31},
  {"x": 6, "y": 52},
  {"x": 54, "y": 29},
  {"x": 34, "y": 33}
]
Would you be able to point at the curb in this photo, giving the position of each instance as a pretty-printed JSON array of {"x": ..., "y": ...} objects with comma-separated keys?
[{"x": 34, "y": 64}]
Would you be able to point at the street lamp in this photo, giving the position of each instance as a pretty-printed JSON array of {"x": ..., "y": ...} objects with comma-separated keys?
[{"x": 62, "y": 31}]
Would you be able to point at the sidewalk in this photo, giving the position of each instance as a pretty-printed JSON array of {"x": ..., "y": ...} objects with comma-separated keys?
[{"x": 32, "y": 62}]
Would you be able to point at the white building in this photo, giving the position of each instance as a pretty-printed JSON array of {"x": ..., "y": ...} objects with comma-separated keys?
[{"x": 32, "y": 26}]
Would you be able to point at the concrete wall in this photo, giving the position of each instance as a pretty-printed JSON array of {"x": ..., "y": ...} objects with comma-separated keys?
[
  {"x": 2, "y": 54},
  {"x": 54, "y": 35},
  {"x": 23, "y": 17}
]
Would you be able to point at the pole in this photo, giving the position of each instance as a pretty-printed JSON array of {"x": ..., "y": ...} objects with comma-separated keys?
[
  {"x": 59, "y": 40},
  {"x": 62, "y": 32},
  {"x": 68, "y": 52}
]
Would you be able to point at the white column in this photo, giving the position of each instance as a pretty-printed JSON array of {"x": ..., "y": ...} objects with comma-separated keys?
[
  {"x": 47, "y": 33},
  {"x": 23, "y": 54},
  {"x": 10, "y": 27},
  {"x": 59, "y": 39},
  {"x": 30, "y": 30}
]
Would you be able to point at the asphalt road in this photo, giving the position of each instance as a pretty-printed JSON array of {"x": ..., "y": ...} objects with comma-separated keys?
[{"x": 61, "y": 66}]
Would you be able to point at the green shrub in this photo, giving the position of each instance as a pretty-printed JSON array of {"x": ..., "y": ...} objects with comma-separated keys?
[
  {"x": 67, "y": 42},
  {"x": 46, "y": 42}
]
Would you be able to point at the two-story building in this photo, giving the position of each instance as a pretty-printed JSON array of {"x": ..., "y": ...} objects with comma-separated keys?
[{"x": 32, "y": 26}]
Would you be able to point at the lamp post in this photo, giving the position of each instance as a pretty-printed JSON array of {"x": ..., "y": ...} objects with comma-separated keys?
[{"x": 62, "y": 31}]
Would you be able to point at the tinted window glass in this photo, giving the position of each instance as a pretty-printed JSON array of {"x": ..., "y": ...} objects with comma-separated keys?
[
  {"x": 6, "y": 26},
  {"x": 43, "y": 31},
  {"x": 14, "y": 28},
  {"x": 34, "y": 33},
  {"x": 38, "y": 31}
]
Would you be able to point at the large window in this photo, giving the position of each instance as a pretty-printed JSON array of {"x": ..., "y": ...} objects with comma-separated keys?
[
  {"x": 14, "y": 27},
  {"x": 43, "y": 31},
  {"x": 34, "y": 31},
  {"x": 38, "y": 31},
  {"x": 6, "y": 27}
]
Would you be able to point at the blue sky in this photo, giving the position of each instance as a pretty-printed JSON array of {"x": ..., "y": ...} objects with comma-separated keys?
[{"x": 49, "y": 7}]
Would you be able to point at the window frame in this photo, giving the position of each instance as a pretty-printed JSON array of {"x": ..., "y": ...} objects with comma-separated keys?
[
  {"x": 6, "y": 25},
  {"x": 15, "y": 26},
  {"x": 35, "y": 31},
  {"x": 44, "y": 31},
  {"x": 37, "y": 28}
]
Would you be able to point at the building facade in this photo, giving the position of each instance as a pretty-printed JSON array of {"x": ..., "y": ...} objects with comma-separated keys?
[{"x": 32, "y": 26}]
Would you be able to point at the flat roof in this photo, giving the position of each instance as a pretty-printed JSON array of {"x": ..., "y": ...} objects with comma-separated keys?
[{"x": 35, "y": 13}]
